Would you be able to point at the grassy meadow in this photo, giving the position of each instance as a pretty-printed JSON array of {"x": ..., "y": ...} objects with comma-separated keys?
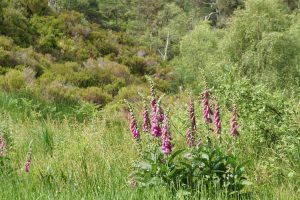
[
  {"x": 88, "y": 155},
  {"x": 220, "y": 120}
]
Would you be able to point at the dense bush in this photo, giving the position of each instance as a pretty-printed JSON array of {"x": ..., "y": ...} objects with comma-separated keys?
[
  {"x": 95, "y": 95},
  {"x": 12, "y": 81}
]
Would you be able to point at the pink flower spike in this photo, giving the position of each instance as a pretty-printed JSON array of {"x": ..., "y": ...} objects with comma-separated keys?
[
  {"x": 146, "y": 121},
  {"x": 233, "y": 127},
  {"x": 190, "y": 140},
  {"x": 28, "y": 162},
  {"x": 2, "y": 146},
  {"x": 217, "y": 120},
  {"x": 153, "y": 104},
  {"x": 206, "y": 109},
  {"x": 166, "y": 137},
  {"x": 155, "y": 128},
  {"x": 192, "y": 116},
  {"x": 133, "y": 125}
]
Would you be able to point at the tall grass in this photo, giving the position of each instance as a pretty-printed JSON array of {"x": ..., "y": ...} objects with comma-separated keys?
[{"x": 91, "y": 158}]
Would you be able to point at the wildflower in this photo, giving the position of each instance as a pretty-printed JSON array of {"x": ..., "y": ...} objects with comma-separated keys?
[
  {"x": 155, "y": 128},
  {"x": 133, "y": 128},
  {"x": 153, "y": 96},
  {"x": 153, "y": 104},
  {"x": 2, "y": 146},
  {"x": 166, "y": 137},
  {"x": 190, "y": 140},
  {"x": 233, "y": 127},
  {"x": 190, "y": 134},
  {"x": 217, "y": 119},
  {"x": 145, "y": 118},
  {"x": 29, "y": 158},
  {"x": 160, "y": 114},
  {"x": 206, "y": 109},
  {"x": 133, "y": 125},
  {"x": 192, "y": 116}
]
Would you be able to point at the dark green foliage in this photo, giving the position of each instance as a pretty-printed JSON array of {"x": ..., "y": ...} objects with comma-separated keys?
[
  {"x": 32, "y": 7},
  {"x": 190, "y": 169},
  {"x": 16, "y": 26}
]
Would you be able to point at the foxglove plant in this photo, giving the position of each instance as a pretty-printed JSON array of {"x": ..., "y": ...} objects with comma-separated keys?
[
  {"x": 160, "y": 112},
  {"x": 217, "y": 119},
  {"x": 206, "y": 164},
  {"x": 189, "y": 138},
  {"x": 145, "y": 117},
  {"x": 190, "y": 134},
  {"x": 233, "y": 127},
  {"x": 133, "y": 125},
  {"x": 206, "y": 108},
  {"x": 155, "y": 126},
  {"x": 2, "y": 146},
  {"x": 29, "y": 158},
  {"x": 192, "y": 116},
  {"x": 153, "y": 96},
  {"x": 166, "y": 136}
]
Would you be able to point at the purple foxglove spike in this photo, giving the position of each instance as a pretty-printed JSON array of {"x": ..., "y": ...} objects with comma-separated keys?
[
  {"x": 166, "y": 137},
  {"x": 192, "y": 116},
  {"x": 28, "y": 162},
  {"x": 190, "y": 140},
  {"x": 206, "y": 109},
  {"x": 133, "y": 127},
  {"x": 133, "y": 124},
  {"x": 160, "y": 114},
  {"x": 217, "y": 120},
  {"x": 153, "y": 104},
  {"x": 2, "y": 146},
  {"x": 233, "y": 128},
  {"x": 155, "y": 128},
  {"x": 145, "y": 120}
]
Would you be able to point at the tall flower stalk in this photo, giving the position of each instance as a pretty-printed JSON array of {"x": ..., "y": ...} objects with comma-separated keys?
[
  {"x": 29, "y": 159},
  {"x": 233, "y": 126},
  {"x": 217, "y": 119},
  {"x": 189, "y": 138},
  {"x": 166, "y": 136},
  {"x": 160, "y": 112},
  {"x": 192, "y": 116},
  {"x": 190, "y": 134},
  {"x": 206, "y": 108},
  {"x": 155, "y": 126},
  {"x": 2, "y": 146},
  {"x": 146, "y": 121},
  {"x": 133, "y": 125}
]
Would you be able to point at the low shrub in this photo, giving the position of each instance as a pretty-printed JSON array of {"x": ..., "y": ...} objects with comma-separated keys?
[
  {"x": 13, "y": 80},
  {"x": 95, "y": 95}
]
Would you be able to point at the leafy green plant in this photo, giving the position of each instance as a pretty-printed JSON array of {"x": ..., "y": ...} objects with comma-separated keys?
[{"x": 200, "y": 163}]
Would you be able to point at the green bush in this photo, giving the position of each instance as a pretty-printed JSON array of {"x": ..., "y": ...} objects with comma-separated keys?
[
  {"x": 12, "y": 81},
  {"x": 6, "y": 42},
  {"x": 95, "y": 95},
  {"x": 16, "y": 26},
  {"x": 105, "y": 47},
  {"x": 136, "y": 64}
]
